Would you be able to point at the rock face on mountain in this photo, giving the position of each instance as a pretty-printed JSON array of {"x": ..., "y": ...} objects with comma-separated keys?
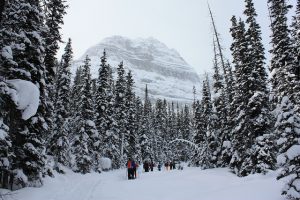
[{"x": 164, "y": 71}]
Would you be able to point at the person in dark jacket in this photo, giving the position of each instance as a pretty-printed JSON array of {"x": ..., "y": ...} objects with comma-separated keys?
[
  {"x": 159, "y": 166},
  {"x": 174, "y": 164},
  {"x": 146, "y": 166},
  {"x": 133, "y": 166},
  {"x": 151, "y": 166}
]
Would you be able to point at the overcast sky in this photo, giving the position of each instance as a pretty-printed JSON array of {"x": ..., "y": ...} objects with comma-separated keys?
[{"x": 181, "y": 24}]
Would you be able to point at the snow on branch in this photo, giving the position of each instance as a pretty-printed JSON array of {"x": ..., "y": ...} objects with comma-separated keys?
[
  {"x": 194, "y": 146},
  {"x": 25, "y": 95}
]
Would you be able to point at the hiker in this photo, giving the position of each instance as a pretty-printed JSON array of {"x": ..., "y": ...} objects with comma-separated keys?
[
  {"x": 159, "y": 166},
  {"x": 174, "y": 165},
  {"x": 167, "y": 166},
  {"x": 171, "y": 165},
  {"x": 133, "y": 167},
  {"x": 151, "y": 166},
  {"x": 146, "y": 166},
  {"x": 129, "y": 169}
]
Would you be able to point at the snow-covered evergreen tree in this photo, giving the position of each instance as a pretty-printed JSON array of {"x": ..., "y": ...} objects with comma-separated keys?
[
  {"x": 5, "y": 139},
  {"x": 120, "y": 116},
  {"x": 240, "y": 117},
  {"x": 262, "y": 156},
  {"x": 22, "y": 58},
  {"x": 105, "y": 121},
  {"x": 59, "y": 146},
  {"x": 54, "y": 11},
  {"x": 131, "y": 123},
  {"x": 146, "y": 129},
  {"x": 86, "y": 138},
  {"x": 283, "y": 81},
  {"x": 138, "y": 127},
  {"x": 296, "y": 49},
  {"x": 159, "y": 140}
]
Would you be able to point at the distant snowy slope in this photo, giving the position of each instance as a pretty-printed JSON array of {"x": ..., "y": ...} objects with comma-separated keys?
[{"x": 167, "y": 74}]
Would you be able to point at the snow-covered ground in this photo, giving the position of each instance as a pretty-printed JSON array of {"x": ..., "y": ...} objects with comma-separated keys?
[{"x": 188, "y": 184}]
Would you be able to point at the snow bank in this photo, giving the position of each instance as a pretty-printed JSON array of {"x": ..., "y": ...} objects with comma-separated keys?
[{"x": 26, "y": 96}]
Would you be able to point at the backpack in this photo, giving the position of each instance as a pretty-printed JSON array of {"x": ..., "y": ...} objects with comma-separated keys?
[
  {"x": 129, "y": 164},
  {"x": 133, "y": 164}
]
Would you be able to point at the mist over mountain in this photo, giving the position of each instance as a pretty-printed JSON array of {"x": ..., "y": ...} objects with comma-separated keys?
[{"x": 165, "y": 72}]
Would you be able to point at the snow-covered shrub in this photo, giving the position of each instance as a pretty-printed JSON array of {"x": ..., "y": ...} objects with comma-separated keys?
[{"x": 105, "y": 163}]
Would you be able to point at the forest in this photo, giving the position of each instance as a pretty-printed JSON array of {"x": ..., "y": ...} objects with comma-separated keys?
[{"x": 247, "y": 118}]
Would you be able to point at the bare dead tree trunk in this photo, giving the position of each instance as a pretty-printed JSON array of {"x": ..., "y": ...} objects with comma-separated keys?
[{"x": 218, "y": 44}]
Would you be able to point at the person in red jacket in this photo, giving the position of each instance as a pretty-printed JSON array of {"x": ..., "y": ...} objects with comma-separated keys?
[{"x": 129, "y": 169}]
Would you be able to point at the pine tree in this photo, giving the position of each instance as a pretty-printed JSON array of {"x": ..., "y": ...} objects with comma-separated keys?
[
  {"x": 262, "y": 156},
  {"x": 240, "y": 115},
  {"x": 105, "y": 112},
  {"x": 287, "y": 127},
  {"x": 186, "y": 130},
  {"x": 296, "y": 49},
  {"x": 146, "y": 128},
  {"x": 5, "y": 141},
  {"x": 220, "y": 113},
  {"x": 138, "y": 127},
  {"x": 281, "y": 77},
  {"x": 54, "y": 12},
  {"x": 59, "y": 146},
  {"x": 75, "y": 96},
  {"x": 120, "y": 115},
  {"x": 160, "y": 147},
  {"x": 283, "y": 83},
  {"x": 87, "y": 136},
  {"x": 208, "y": 159},
  {"x": 131, "y": 120},
  {"x": 23, "y": 59}
]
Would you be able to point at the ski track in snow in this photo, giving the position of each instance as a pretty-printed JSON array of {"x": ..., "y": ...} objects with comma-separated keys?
[{"x": 189, "y": 184}]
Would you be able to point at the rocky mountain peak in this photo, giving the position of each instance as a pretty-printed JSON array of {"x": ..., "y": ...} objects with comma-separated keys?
[{"x": 165, "y": 72}]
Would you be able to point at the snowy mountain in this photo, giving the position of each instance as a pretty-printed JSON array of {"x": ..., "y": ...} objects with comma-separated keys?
[{"x": 165, "y": 72}]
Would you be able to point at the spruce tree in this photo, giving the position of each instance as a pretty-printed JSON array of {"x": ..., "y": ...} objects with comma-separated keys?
[
  {"x": 120, "y": 115},
  {"x": 296, "y": 49},
  {"x": 59, "y": 146},
  {"x": 23, "y": 48},
  {"x": 186, "y": 130},
  {"x": 54, "y": 12},
  {"x": 262, "y": 156},
  {"x": 86, "y": 138},
  {"x": 283, "y": 83},
  {"x": 75, "y": 96},
  {"x": 105, "y": 123},
  {"x": 208, "y": 159},
  {"x": 146, "y": 128},
  {"x": 131, "y": 120},
  {"x": 160, "y": 147},
  {"x": 138, "y": 127},
  {"x": 240, "y": 115},
  {"x": 5, "y": 141}
]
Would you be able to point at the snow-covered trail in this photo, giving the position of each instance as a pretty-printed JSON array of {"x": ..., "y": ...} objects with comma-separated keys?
[{"x": 189, "y": 184}]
